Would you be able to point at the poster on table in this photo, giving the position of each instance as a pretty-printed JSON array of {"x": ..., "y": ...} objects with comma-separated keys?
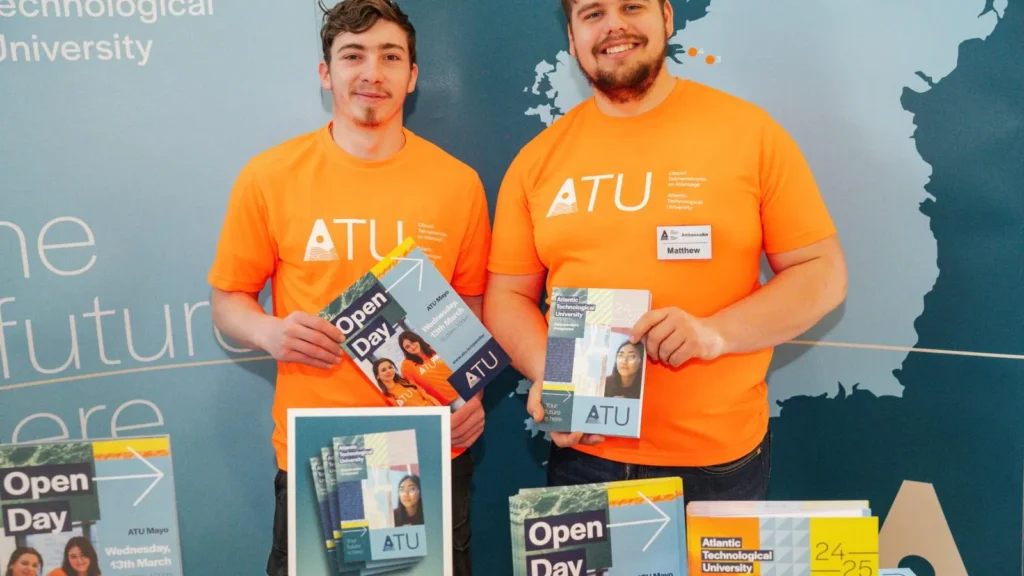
[{"x": 369, "y": 491}]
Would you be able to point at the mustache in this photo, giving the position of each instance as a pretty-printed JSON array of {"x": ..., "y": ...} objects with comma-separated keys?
[
  {"x": 634, "y": 38},
  {"x": 370, "y": 91}
]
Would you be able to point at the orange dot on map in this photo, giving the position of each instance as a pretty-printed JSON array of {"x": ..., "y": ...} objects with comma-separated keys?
[
  {"x": 319, "y": 239},
  {"x": 710, "y": 59},
  {"x": 692, "y": 52}
]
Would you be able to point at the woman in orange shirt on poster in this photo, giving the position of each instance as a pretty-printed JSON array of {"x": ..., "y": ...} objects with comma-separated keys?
[
  {"x": 397, "y": 390},
  {"x": 424, "y": 367},
  {"x": 80, "y": 559}
]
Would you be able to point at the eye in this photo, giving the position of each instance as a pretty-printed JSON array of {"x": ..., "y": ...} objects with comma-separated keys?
[{"x": 591, "y": 15}]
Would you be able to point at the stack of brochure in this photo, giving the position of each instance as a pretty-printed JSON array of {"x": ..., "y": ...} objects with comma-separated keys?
[
  {"x": 593, "y": 374},
  {"x": 782, "y": 537},
  {"x": 614, "y": 528},
  {"x": 412, "y": 335},
  {"x": 371, "y": 510}
]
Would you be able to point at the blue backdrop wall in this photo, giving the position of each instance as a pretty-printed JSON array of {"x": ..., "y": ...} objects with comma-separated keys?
[{"x": 124, "y": 124}]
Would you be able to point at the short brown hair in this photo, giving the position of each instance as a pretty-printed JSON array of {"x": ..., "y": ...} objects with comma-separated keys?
[
  {"x": 568, "y": 4},
  {"x": 357, "y": 16}
]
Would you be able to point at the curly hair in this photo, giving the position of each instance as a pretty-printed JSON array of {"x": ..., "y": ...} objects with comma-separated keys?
[{"x": 357, "y": 16}]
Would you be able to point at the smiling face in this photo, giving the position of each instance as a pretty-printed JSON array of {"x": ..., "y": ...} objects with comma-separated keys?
[
  {"x": 620, "y": 45},
  {"x": 386, "y": 373},
  {"x": 79, "y": 561},
  {"x": 412, "y": 347},
  {"x": 370, "y": 74},
  {"x": 26, "y": 565}
]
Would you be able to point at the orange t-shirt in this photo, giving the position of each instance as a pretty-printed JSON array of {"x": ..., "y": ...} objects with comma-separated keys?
[
  {"x": 410, "y": 395},
  {"x": 432, "y": 376},
  {"x": 313, "y": 219},
  {"x": 583, "y": 201}
]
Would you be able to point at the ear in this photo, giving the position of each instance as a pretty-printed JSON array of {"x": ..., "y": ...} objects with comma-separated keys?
[
  {"x": 669, "y": 20},
  {"x": 572, "y": 41},
  {"x": 325, "y": 76},
  {"x": 413, "y": 77}
]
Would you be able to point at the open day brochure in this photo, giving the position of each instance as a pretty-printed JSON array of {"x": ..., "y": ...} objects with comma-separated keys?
[
  {"x": 113, "y": 500},
  {"x": 626, "y": 528},
  {"x": 412, "y": 335}
]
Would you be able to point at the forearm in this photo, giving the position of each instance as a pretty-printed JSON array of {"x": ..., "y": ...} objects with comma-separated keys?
[
  {"x": 475, "y": 305},
  {"x": 519, "y": 327},
  {"x": 240, "y": 316},
  {"x": 788, "y": 305}
]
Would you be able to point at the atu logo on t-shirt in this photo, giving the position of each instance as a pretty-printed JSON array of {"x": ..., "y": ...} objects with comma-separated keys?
[
  {"x": 320, "y": 246},
  {"x": 565, "y": 201}
]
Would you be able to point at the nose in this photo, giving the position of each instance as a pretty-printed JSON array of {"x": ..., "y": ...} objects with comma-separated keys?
[
  {"x": 614, "y": 22},
  {"x": 372, "y": 70}
]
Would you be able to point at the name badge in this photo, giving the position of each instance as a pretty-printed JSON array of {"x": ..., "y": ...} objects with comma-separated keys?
[{"x": 684, "y": 242}]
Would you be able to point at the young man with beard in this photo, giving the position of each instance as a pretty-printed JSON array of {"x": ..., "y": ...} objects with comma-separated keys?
[
  {"x": 581, "y": 205},
  {"x": 315, "y": 213}
]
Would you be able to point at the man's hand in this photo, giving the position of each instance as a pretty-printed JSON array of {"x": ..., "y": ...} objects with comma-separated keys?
[
  {"x": 302, "y": 338},
  {"x": 674, "y": 336},
  {"x": 467, "y": 423},
  {"x": 561, "y": 439}
]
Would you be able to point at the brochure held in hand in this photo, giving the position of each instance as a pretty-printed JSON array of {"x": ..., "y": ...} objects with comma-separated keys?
[
  {"x": 412, "y": 335},
  {"x": 593, "y": 373}
]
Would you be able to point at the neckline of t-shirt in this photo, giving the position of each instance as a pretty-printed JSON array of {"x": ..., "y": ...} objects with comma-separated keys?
[
  {"x": 646, "y": 117},
  {"x": 337, "y": 154}
]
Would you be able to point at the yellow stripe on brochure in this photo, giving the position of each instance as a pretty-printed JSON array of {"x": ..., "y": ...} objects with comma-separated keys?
[
  {"x": 117, "y": 449},
  {"x": 391, "y": 259}
]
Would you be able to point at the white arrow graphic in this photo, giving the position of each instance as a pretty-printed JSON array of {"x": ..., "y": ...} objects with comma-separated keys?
[
  {"x": 417, "y": 265},
  {"x": 664, "y": 520},
  {"x": 157, "y": 476},
  {"x": 558, "y": 393}
]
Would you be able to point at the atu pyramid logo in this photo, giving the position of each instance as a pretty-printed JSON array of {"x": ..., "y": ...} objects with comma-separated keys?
[
  {"x": 320, "y": 247},
  {"x": 565, "y": 201}
]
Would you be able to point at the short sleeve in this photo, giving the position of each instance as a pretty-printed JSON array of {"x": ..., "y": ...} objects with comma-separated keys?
[
  {"x": 513, "y": 247},
  {"x": 793, "y": 213},
  {"x": 470, "y": 275},
  {"x": 246, "y": 252}
]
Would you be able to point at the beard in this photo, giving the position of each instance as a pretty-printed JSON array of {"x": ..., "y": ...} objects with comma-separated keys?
[
  {"x": 628, "y": 85},
  {"x": 368, "y": 118}
]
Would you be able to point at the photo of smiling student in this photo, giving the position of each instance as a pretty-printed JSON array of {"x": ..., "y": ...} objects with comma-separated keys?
[
  {"x": 397, "y": 390},
  {"x": 424, "y": 367},
  {"x": 24, "y": 561},
  {"x": 80, "y": 559}
]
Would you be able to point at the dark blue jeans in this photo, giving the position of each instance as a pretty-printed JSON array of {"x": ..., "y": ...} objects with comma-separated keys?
[{"x": 745, "y": 478}]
